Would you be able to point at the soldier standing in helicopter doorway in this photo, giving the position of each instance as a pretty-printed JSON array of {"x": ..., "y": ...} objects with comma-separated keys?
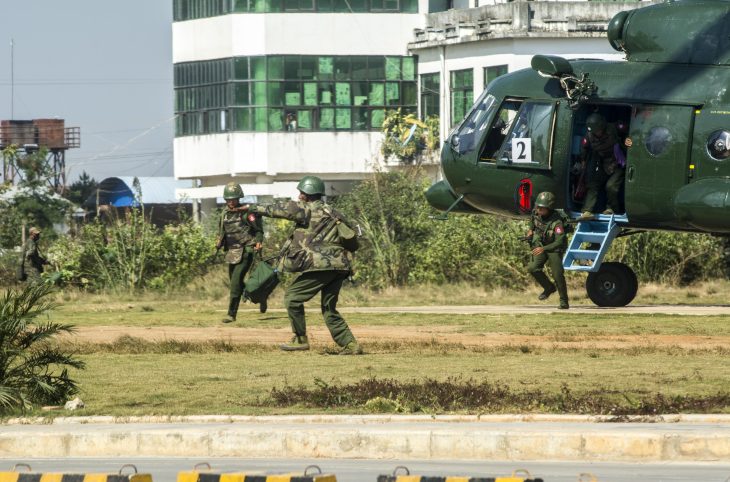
[
  {"x": 240, "y": 235},
  {"x": 601, "y": 153},
  {"x": 548, "y": 242}
]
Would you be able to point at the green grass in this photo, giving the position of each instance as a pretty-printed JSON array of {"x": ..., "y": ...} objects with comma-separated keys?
[
  {"x": 241, "y": 382},
  {"x": 137, "y": 377}
]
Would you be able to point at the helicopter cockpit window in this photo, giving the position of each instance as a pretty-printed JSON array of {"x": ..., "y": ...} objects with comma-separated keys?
[
  {"x": 529, "y": 139},
  {"x": 657, "y": 140},
  {"x": 718, "y": 145},
  {"x": 498, "y": 130},
  {"x": 465, "y": 139}
]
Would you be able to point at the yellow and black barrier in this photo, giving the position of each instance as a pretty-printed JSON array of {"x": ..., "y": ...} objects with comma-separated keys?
[
  {"x": 517, "y": 476},
  {"x": 208, "y": 475},
  {"x": 29, "y": 476}
]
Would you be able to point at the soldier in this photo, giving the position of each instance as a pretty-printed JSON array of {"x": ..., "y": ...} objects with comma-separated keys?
[
  {"x": 240, "y": 235},
  {"x": 31, "y": 258},
  {"x": 319, "y": 250},
  {"x": 602, "y": 147},
  {"x": 548, "y": 242}
]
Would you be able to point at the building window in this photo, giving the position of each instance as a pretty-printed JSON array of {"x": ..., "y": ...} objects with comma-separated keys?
[
  {"x": 430, "y": 94},
  {"x": 292, "y": 93},
  {"x": 491, "y": 73},
  {"x": 192, "y": 9},
  {"x": 462, "y": 94}
]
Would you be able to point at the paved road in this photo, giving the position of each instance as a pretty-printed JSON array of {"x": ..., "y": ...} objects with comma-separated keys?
[{"x": 166, "y": 469}]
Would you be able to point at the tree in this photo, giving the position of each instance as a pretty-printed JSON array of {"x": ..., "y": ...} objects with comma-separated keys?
[
  {"x": 31, "y": 202},
  {"x": 81, "y": 189},
  {"x": 33, "y": 371}
]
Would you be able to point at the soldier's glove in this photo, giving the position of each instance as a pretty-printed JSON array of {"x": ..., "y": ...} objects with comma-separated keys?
[{"x": 577, "y": 168}]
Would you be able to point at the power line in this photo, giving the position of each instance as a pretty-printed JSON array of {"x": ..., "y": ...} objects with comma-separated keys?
[{"x": 51, "y": 82}]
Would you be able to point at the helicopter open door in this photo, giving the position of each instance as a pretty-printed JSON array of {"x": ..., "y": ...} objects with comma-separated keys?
[{"x": 658, "y": 160}]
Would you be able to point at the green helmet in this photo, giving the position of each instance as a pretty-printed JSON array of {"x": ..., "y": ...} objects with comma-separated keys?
[
  {"x": 596, "y": 122},
  {"x": 311, "y": 185},
  {"x": 545, "y": 200},
  {"x": 232, "y": 191}
]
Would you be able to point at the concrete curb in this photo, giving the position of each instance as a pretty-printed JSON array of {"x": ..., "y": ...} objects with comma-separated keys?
[
  {"x": 370, "y": 419},
  {"x": 377, "y": 437}
]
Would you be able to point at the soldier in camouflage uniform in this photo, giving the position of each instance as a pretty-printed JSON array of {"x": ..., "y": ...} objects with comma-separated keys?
[
  {"x": 319, "y": 250},
  {"x": 240, "y": 235},
  {"x": 548, "y": 242},
  {"x": 31, "y": 258},
  {"x": 602, "y": 154}
]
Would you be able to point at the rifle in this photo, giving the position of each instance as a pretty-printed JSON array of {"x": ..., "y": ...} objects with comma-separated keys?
[{"x": 525, "y": 238}]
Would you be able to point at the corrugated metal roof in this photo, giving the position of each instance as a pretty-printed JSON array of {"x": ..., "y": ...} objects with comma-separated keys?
[{"x": 120, "y": 191}]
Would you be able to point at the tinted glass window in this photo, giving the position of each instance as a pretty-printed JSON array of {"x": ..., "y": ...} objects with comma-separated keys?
[
  {"x": 718, "y": 145},
  {"x": 657, "y": 140},
  {"x": 466, "y": 138},
  {"x": 529, "y": 139}
]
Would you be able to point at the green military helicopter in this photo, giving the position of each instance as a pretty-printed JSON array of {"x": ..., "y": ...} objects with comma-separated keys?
[{"x": 671, "y": 97}]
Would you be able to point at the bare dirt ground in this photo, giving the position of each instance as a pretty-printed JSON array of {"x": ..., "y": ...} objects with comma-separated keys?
[{"x": 318, "y": 335}]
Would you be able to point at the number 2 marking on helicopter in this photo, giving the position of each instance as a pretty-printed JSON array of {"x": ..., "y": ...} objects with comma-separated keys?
[{"x": 522, "y": 149}]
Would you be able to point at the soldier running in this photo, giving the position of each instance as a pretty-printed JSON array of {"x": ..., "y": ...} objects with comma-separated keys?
[
  {"x": 240, "y": 235},
  {"x": 548, "y": 242},
  {"x": 319, "y": 250}
]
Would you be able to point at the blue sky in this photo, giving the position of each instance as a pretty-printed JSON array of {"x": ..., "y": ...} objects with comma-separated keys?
[{"x": 104, "y": 66}]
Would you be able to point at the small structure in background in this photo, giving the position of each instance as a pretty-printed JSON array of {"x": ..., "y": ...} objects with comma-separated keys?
[
  {"x": 31, "y": 135},
  {"x": 155, "y": 194}
]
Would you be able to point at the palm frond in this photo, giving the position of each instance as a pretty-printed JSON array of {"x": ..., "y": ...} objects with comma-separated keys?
[{"x": 33, "y": 370}]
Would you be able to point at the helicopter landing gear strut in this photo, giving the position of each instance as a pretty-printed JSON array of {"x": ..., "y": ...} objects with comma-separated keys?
[{"x": 614, "y": 284}]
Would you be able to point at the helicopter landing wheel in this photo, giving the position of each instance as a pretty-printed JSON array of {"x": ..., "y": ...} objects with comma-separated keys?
[{"x": 615, "y": 284}]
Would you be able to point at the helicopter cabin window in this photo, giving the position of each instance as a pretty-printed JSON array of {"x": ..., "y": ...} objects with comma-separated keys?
[
  {"x": 529, "y": 135},
  {"x": 498, "y": 130},
  {"x": 657, "y": 140},
  {"x": 467, "y": 136},
  {"x": 718, "y": 145}
]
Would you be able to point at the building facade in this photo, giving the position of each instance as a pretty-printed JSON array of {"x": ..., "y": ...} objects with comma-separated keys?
[{"x": 267, "y": 91}]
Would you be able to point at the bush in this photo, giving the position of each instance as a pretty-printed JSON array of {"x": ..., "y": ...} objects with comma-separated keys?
[
  {"x": 131, "y": 253},
  {"x": 32, "y": 370},
  {"x": 671, "y": 258}
]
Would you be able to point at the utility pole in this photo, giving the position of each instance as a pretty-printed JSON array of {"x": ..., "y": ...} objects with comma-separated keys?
[{"x": 12, "y": 79}]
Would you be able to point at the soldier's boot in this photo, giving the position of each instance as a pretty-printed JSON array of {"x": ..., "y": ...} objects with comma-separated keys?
[
  {"x": 263, "y": 306},
  {"x": 563, "y": 292},
  {"x": 547, "y": 287},
  {"x": 297, "y": 343},
  {"x": 546, "y": 293},
  {"x": 586, "y": 216},
  {"x": 232, "y": 310},
  {"x": 352, "y": 348}
]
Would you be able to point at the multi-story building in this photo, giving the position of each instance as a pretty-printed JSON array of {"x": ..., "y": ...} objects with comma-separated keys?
[{"x": 269, "y": 90}]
